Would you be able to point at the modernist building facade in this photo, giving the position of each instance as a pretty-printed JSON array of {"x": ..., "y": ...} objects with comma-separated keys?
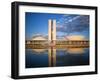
[
  {"x": 41, "y": 40},
  {"x": 51, "y": 30}
]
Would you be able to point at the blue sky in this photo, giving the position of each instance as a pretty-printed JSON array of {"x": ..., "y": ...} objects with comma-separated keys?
[{"x": 67, "y": 24}]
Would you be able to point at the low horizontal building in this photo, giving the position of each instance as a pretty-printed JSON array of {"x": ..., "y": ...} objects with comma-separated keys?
[{"x": 42, "y": 42}]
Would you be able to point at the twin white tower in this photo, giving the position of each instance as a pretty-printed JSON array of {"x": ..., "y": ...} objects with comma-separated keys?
[
  {"x": 52, "y": 39},
  {"x": 51, "y": 30}
]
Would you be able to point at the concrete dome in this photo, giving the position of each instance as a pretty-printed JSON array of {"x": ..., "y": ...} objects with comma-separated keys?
[
  {"x": 39, "y": 38},
  {"x": 76, "y": 37}
]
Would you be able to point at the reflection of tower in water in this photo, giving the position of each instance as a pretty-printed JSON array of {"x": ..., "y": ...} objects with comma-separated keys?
[
  {"x": 52, "y": 41},
  {"x": 52, "y": 57}
]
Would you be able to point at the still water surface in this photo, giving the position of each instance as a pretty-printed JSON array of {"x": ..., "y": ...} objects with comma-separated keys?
[{"x": 36, "y": 58}]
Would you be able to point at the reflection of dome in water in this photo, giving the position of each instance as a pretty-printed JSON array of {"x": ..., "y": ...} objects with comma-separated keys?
[
  {"x": 39, "y": 50},
  {"x": 76, "y": 37},
  {"x": 39, "y": 37},
  {"x": 75, "y": 50}
]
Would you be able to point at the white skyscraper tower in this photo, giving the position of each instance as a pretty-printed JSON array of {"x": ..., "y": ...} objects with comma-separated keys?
[{"x": 52, "y": 30}]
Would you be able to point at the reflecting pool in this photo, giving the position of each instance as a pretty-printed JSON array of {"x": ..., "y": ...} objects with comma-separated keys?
[{"x": 53, "y": 57}]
